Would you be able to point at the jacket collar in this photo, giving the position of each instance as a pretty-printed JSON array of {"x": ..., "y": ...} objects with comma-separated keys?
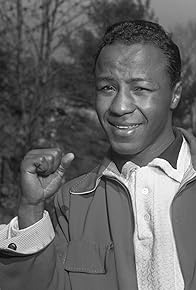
[{"x": 89, "y": 182}]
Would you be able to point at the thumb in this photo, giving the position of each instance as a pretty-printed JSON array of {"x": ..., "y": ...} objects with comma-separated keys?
[{"x": 65, "y": 163}]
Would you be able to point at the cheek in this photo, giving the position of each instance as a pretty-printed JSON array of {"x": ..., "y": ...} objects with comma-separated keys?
[
  {"x": 156, "y": 107},
  {"x": 102, "y": 106}
]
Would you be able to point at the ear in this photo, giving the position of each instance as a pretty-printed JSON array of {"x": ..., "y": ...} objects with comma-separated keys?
[{"x": 176, "y": 95}]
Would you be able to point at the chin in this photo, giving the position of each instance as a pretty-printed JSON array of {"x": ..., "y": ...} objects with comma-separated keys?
[{"x": 125, "y": 149}]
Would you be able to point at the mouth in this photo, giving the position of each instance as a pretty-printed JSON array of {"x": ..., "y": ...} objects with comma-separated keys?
[{"x": 124, "y": 130}]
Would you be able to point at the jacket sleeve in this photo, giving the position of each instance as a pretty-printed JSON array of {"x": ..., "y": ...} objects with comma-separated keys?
[{"x": 43, "y": 269}]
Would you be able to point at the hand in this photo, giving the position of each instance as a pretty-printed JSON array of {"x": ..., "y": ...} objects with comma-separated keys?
[{"x": 42, "y": 172}]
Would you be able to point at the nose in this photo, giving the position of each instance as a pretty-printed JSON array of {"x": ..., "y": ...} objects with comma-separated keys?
[{"x": 122, "y": 103}]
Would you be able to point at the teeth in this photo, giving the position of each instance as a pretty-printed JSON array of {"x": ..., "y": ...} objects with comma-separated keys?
[
  {"x": 127, "y": 127},
  {"x": 122, "y": 127}
]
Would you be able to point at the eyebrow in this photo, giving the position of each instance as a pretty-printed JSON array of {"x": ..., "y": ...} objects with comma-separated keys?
[{"x": 139, "y": 79}]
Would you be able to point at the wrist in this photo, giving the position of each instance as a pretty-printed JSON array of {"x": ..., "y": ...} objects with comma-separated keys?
[{"x": 29, "y": 214}]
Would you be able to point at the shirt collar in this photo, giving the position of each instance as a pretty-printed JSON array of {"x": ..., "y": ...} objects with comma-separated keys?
[
  {"x": 89, "y": 182},
  {"x": 171, "y": 153},
  {"x": 168, "y": 161}
]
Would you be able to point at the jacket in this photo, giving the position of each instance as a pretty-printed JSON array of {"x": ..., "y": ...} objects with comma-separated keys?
[{"x": 93, "y": 248}]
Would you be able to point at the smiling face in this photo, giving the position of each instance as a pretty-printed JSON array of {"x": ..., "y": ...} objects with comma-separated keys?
[{"x": 134, "y": 100}]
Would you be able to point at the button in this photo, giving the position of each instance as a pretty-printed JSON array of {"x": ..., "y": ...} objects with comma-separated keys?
[
  {"x": 147, "y": 217},
  {"x": 12, "y": 246},
  {"x": 145, "y": 190}
]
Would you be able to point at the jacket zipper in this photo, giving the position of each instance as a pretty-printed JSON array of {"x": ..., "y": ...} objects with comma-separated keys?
[
  {"x": 184, "y": 185},
  {"x": 126, "y": 190},
  {"x": 177, "y": 194}
]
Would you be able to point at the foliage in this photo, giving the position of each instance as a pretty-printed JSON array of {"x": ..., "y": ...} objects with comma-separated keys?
[
  {"x": 47, "y": 97},
  {"x": 105, "y": 13},
  {"x": 83, "y": 47},
  {"x": 185, "y": 114},
  {"x": 30, "y": 36}
]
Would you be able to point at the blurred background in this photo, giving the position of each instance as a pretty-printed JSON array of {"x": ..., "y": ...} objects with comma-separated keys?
[{"x": 47, "y": 50}]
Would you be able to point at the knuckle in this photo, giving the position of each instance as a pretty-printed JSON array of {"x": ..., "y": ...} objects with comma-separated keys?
[
  {"x": 57, "y": 152},
  {"x": 49, "y": 158},
  {"x": 42, "y": 158},
  {"x": 58, "y": 149}
]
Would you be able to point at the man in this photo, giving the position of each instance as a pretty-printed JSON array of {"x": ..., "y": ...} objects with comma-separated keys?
[{"x": 129, "y": 223}]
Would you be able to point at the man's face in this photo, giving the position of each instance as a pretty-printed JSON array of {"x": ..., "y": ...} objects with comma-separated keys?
[{"x": 134, "y": 97}]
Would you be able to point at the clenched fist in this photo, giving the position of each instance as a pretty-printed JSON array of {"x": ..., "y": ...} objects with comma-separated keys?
[{"x": 42, "y": 171}]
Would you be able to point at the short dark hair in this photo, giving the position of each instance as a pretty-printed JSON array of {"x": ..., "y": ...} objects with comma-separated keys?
[{"x": 142, "y": 31}]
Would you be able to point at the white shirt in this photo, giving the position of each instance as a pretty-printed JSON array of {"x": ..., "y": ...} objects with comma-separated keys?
[{"x": 152, "y": 189}]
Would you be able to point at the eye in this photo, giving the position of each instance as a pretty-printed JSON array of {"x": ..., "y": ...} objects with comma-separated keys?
[
  {"x": 143, "y": 90},
  {"x": 140, "y": 89},
  {"x": 106, "y": 88}
]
